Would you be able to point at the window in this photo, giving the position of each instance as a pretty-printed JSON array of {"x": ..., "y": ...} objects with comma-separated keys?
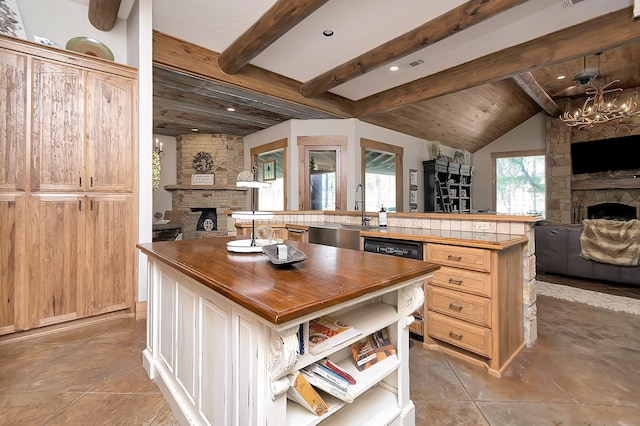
[
  {"x": 382, "y": 165},
  {"x": 271, "y": 163},
  {"x": 519, "y": 182},
  {"x": 322, "y": 172}
]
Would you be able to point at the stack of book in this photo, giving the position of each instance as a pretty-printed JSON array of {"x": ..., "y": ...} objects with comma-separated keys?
[
  {"x": 330, "y": 378},
  {"x": 325, "y": 376},
  {"x": 320, "y": 335}
]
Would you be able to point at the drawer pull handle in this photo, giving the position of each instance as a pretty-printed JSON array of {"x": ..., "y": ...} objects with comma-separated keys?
[
  {"x": 455, "y": 336},
  {"x": 454, "y": 257},
  {"x": 454, "y": 281},
  {"x": 455, "y": 307}
]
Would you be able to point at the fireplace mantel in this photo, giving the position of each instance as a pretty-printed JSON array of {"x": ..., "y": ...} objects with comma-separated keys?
[
  {"x": 609, "y": 182},
  {"x": 203, "y": 188}
]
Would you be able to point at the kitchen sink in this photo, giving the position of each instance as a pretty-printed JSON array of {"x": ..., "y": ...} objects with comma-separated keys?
[
  {"x": 338, "y": 235},
  {"x": 335, "y": 235}
]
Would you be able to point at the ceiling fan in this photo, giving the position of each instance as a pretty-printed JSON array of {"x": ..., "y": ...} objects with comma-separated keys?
[{"x": 580, "y": 80}]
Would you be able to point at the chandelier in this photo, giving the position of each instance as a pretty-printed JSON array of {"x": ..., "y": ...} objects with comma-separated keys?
[{"x": 597, "y": 109}]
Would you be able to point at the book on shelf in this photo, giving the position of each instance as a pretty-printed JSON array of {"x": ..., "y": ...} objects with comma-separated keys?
[
  {"x": 321, "y": 383},
  {"x": 326, "y": 332},
  {"x": 303, "y": 332},
  {"x": 328, "y": 375},
  {"x": 372, "y": 349},
  {"x": 336, "y": 368},
  {"x": 301, "y": 391}
]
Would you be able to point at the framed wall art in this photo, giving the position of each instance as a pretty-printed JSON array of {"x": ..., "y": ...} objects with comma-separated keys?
[
  {"x": 413, "y": 190},
  {"x": 413, "y": 197},
  {"x": 413, "y": 178}
]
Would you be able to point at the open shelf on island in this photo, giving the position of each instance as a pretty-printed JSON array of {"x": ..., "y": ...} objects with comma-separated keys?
[
  {"x": 368, "y": 318},
  {"x": 377, "y": 406}
]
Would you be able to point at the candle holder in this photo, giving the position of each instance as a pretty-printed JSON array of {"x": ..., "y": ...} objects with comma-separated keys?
[{"x": 157, "y": 148}]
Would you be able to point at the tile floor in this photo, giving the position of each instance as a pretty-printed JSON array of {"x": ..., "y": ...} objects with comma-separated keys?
[{"x": 582, "y": 370}]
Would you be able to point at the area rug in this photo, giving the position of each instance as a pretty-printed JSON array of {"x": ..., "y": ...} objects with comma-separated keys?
[{"x": 591, "y": 298}]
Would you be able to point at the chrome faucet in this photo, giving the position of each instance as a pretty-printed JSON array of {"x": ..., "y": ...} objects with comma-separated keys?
[{"x": 365, "y": 219}]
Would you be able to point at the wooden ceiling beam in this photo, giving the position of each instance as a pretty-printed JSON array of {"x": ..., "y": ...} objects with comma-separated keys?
[
  {"x": 446, "y": 25},
  {"x": 531, "y": 87},
  {"x": 178, "y": 55},
  {"x": 280, "y": 18},
  {"x": 606, "y": 32},
  {"x": 103, "y": 13}
]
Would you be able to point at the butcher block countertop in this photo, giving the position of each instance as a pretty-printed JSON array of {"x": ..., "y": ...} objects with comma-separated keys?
[{"x": 280, "y": 294}]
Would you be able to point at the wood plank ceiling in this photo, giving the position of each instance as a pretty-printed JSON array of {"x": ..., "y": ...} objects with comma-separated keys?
[{"x": 466, "y": 107}]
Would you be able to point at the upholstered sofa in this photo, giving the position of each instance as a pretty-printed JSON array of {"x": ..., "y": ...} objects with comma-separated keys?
[{"x": 558, "y": 252}]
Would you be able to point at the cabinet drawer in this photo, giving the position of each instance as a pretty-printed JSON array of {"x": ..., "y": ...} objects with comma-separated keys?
[
  {"x": 296, "y": 235},
  {"x": 463, "y": 280},
  {"x": 464, "y": 306},
  {"x": 460, "y": 257},
  {"x": 417, "y": 327},
  {"x": 459, "y": 333}
]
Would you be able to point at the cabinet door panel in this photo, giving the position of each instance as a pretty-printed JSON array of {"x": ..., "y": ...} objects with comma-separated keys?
[
  {"x": 12, "y": 120},
  {"x": 57, "y": 130},
  {"x": 110, "y": 128},
  {"x": 56, "y": 261},
  {"x": 12, "y": 280},
  {"x": 110, "y": 253}
]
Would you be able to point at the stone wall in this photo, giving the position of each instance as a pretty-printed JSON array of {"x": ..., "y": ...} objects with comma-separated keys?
[
  {"x": 227, "y": 152},
  {"x": 564, "y": 204}
]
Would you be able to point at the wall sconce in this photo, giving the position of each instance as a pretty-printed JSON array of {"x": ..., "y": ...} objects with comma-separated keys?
[{"x": 158, "y": 148}]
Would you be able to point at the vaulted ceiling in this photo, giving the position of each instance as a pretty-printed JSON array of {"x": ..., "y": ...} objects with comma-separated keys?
[{"x": 469, "y": 71}]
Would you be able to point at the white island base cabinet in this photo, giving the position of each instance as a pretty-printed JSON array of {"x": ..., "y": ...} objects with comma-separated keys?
[{"x": 217, "y": 363}]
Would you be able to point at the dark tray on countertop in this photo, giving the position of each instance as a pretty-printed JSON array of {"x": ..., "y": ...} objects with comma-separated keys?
[{"x": 293, "y": 254}]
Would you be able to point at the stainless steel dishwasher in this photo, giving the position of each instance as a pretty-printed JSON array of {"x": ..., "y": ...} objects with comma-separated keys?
[{"x": 393, "y": 247}]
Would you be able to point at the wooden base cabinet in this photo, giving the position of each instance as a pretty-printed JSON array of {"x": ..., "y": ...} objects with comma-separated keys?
[
  {"x": 12, "y": 262},
  {"x": 220, "y": 364},
  {"x": 56, "y": 241},
  {"x": 474, "y": 304},
  {"x": 110, "y": 246},
  {"x": 80, "y": 256}
]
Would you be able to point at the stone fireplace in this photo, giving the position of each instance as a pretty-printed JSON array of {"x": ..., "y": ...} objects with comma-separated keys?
[
  {"x": 572, "y": 198},
  {"x": 213, "y": 200}
]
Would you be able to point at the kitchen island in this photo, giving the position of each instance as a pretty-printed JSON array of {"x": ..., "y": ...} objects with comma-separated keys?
[{"x": 223, "y": 330}]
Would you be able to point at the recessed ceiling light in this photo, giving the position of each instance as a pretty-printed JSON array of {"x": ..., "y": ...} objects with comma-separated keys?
[
  {"x": 561, "y": 77},
  {"x": 194, "y": 129},
  {"x": 394, "y": 68},
  {"x": 327, "y": 33},
  {"x": 231, "y": 109}
]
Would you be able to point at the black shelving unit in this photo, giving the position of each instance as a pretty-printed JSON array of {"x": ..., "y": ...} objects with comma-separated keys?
[{"x": 448, "y": 187}]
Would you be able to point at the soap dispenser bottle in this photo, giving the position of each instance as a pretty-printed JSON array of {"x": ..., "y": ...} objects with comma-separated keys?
[{"x": 382, "y": 217}]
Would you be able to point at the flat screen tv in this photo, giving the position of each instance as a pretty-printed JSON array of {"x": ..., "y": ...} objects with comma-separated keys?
[{"x": 606, "y": 155}]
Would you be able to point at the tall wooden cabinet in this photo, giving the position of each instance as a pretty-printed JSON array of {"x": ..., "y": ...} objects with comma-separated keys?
[{"x": 68, "y": 202}]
